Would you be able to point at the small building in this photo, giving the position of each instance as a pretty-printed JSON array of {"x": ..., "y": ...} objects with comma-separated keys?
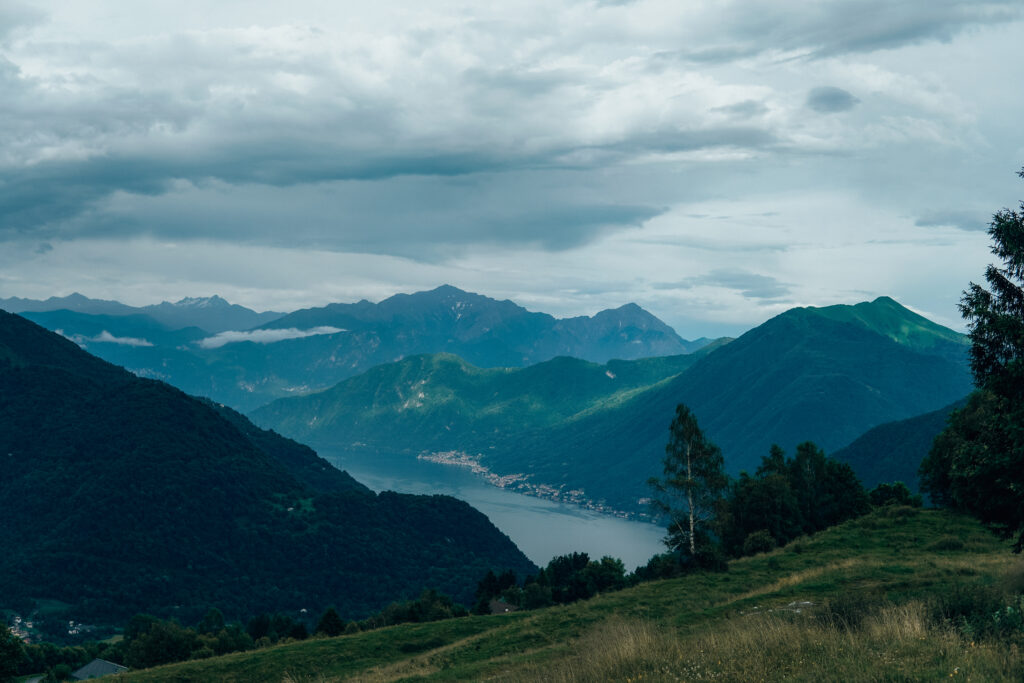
[
  {"x": 97, "y": 668},
  {"x": 501, "y": 607}
]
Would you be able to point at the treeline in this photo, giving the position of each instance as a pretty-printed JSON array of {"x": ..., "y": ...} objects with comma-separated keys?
[
  {"x": 784, "y": 499},
  {"x": 712, "y": 517},
  {"x": 149, "y": 641},
  {"x": 566, "y": 579}
]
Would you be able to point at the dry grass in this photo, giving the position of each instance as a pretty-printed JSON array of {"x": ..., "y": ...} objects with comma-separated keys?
[{"x": 894, "y": 643}]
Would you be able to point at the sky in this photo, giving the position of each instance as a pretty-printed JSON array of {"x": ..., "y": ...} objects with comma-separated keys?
[{"x": 715, "y": 162}]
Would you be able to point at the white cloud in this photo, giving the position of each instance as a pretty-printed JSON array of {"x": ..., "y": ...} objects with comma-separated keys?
[
  {"x": 104, "y": 337},
  {"x": 107, "y": 338},
  {"x": 264, "y": 336}
]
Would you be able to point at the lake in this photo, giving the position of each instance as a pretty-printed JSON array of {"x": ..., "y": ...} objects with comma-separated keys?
[{"x": 541, "y": 528}]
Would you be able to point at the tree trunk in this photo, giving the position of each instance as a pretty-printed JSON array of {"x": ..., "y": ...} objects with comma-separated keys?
[{"x": 689, "y": 499}]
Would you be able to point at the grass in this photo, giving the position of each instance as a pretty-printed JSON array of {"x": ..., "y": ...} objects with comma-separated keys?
[{"x": 864, "y": 601}]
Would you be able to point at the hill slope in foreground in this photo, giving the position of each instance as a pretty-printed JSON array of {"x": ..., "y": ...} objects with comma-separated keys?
[
  {"x": 867, "y": 600},
  {"x": 125, "y": 495}
]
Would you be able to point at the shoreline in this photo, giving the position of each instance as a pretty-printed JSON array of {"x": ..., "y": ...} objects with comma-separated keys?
[{"x": 520, "y": 483}]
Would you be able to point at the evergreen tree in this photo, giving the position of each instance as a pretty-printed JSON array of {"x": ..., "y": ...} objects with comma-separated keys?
[
  {"x": 330, "y": 623},
  {"x": 977, "y": 463}
]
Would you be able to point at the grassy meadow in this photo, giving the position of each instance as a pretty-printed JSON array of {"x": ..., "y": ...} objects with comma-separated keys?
[{"x": 901, "y": 594}]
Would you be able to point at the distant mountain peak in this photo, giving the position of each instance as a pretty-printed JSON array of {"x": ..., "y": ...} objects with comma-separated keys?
[{"x": 201, "y": 302}]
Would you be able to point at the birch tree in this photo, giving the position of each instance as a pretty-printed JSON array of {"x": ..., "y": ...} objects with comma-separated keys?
[{"x": 689, "y": 494}]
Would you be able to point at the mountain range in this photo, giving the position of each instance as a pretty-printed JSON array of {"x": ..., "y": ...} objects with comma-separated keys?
[
  {"x": 125, "y": 495},
  {"x": 313, "y": 349},
  {"x": 821, "y": 374},
  {"x": 211, "y": 314}
]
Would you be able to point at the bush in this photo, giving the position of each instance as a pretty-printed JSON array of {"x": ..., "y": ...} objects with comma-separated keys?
[
  {"x": 981, "y": 612},
  {"x": 895, "y": 493},
  {"x": 759, "y": 542}
]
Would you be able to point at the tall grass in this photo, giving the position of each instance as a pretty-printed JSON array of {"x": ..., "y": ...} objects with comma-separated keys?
[{"x": 892, "y": 643}]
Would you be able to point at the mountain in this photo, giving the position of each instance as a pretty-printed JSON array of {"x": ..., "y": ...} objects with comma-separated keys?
[
  {"x": 893, "y": 451},
  {"x": 819, "y": 374},
  {"x": 314, "y": 349},
  {"x": 133, "y": 329},
  {"x": 125, "y": 495},
  {"x": 437, "y": 401},
  {"x": 210, "y": 314},
  {"x": 490, "y": 333}
]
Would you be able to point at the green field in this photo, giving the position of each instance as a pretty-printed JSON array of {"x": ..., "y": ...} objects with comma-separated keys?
[{"x": 901, "y": 594}]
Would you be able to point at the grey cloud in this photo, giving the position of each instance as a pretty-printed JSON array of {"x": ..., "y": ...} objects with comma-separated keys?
[
  {"x": 830, "y": 100},
  {"x": 17, "y": 15},
  {"x": 745, "y": 109},
  {"x": 748, "y": 284},
  {"x": 970, "y": 221},
  {"x": 840, "y": 27},
  {"x": 427, "y": 218}
]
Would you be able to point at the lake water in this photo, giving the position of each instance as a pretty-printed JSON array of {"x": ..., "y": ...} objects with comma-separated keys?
[{"x": 541, "y": 528}]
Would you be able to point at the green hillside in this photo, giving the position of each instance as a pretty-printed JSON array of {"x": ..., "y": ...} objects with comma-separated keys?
[
  {"x": 900, "y": 594},
  {"x": 441, "y": 402},
  {"x": 825, "y": 375},
  {"x": 887, "y": 317},
  {"x": 125, "y": 495},
  {"x": 893, "y": 451}
]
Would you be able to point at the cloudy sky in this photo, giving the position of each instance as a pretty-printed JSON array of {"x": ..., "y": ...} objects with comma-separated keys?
[{"x": 716, "y": 162}]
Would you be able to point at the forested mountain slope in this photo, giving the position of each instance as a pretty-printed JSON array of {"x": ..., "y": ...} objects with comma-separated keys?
[
  {"x": 439, "y": 401},
  {"x": 126, "y": 495},
  {"x": 893, "y": 451}
]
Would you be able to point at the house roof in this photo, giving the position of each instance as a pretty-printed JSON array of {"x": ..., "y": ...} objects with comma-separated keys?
[{"x": 97, "y": 668}]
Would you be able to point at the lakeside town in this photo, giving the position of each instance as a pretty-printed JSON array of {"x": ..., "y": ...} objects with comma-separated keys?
[{"x": 520, "y": 483}]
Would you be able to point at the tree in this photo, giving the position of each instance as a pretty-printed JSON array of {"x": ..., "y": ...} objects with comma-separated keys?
[
  {"x": 827, "y": 491},
  {"x": 977, "y": 463},
  {"x": 690, "y": 492},
  {"x": 162, "y": 643},
  {"x": 212, "y": 622},
  {"x": 12, "y": 654},
  {"x": 895, "y": 493},
  {"x": 787, "y": 497},
  {"x": 330, "y": 623}
]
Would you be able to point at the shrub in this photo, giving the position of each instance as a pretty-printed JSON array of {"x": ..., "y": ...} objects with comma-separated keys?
[
  {"x": 895, "y": 493},
  {"x": 759, "y": 542}
]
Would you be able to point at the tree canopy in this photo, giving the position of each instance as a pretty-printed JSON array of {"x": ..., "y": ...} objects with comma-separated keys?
[
  {"x": 690, "y": 492},
  {"x": 977, "y": 463}
]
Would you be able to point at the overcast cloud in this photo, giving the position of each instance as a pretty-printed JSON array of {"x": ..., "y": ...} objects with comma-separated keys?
[{"x": 716, "y": 162}]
